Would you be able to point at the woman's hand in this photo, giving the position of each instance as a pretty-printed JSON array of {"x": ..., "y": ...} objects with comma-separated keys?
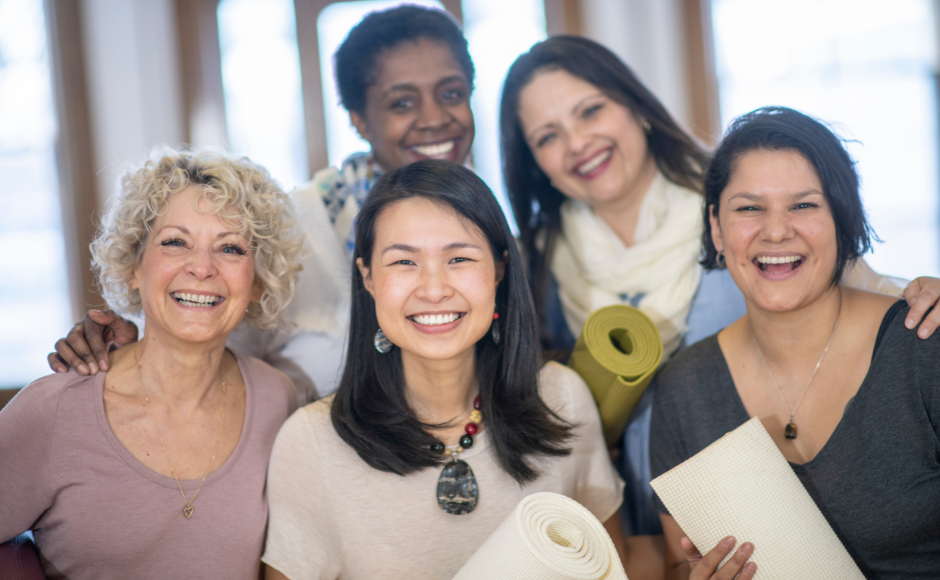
[
  {"x": 922, "y": 294},
  {"x": 84, "y": 348},
  {"x": 704, "y": 567}
]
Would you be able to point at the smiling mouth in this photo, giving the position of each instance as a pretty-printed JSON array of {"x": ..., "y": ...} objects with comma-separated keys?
[
  {"x": 435, "y": 319},
  {"x": 435, "y": 150},
  {"x": 778, "y": 264},
  {"x": 196, "y": 300},
  {"x": 593, "y": 163}
]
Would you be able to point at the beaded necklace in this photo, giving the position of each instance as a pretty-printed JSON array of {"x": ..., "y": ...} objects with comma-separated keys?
[{"x": 457, "y": 491}]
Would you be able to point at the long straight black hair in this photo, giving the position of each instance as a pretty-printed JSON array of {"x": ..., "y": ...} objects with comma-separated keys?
[
  {"x": 370, "y": 411},
  {"x": 535, "y": 202}
]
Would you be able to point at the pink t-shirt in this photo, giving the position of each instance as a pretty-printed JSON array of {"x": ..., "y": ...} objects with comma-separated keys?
[{"x": 97, "y": 512}]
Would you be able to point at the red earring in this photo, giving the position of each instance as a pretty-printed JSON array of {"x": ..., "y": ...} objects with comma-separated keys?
[{"x": 495, "y": 315}]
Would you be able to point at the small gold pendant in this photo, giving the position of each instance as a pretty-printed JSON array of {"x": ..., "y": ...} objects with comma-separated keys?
[
  {"x": 188, "y": 511},
  {"x": 790, "y": 431}
]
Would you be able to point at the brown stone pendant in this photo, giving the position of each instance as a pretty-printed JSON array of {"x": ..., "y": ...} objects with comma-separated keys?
[{"x": 790, "y": 431}]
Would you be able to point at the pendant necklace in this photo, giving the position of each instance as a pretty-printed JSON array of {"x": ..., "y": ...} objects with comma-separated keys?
[
  {"x": 790, "y": 430},
  {"x": 457, "y": 491},
  {"x": 188, "y": 508}
]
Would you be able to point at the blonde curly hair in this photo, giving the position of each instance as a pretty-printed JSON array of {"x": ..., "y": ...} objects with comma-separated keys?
[{"x": 241, "y": 193}]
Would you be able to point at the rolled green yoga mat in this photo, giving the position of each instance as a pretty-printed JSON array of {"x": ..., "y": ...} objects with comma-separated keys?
[{"x": 617, "y": 354}]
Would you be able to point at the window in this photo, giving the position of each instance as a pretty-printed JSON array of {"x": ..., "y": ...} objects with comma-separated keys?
[
  {"x": 34, "y": 295},
  {"x": 261, "y": 81},
  {"x": 867, "y": 67}
]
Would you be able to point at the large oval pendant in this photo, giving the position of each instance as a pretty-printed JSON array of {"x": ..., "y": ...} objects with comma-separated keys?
[
  {"x": 457, "y": 491},
  {"x": 790, "y": 431}
]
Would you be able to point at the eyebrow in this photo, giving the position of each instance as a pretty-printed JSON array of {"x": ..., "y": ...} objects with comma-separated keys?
[
  {"x": 573, "y": 111},
  {"x": 414, "y": 87},
  {"x": 186, "y": 231},
  {"x": 414, "y": 250}
]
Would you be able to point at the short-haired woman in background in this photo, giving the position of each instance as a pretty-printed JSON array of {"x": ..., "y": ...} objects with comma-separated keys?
[
  {"x": 156, "y": 468},
  {"x": 850, "y": 395}
]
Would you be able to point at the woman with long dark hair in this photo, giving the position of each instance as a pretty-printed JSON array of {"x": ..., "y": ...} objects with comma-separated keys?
[
  {"x": 444, "y": 418},
  {"x": 605, "y": 187}
]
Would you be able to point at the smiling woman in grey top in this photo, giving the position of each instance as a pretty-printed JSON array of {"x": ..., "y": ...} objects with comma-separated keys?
[{"x": 850, "y": 396}]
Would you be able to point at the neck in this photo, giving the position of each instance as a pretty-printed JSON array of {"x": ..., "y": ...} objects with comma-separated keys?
[
  {"x": 797, "y": 335},
  {"x": 181, "y": 375},
  {"x": 623, "y": 213},
  {"x": 440, "y": 391}
]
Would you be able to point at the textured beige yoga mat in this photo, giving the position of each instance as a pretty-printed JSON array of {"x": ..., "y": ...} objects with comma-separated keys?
[
  {"x": 547, "y": 537},
  {"x": 617, "y": 353},
  {"x": 742, "y": 486}
]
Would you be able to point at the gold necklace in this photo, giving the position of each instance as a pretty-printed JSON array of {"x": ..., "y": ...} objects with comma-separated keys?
[
  {"x": 790, "y": 430},
  {"x": 188, "y": 509}
]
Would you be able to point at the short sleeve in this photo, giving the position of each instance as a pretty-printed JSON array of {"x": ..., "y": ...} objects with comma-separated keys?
[
  {"x": 27, "y": 429},
  {"x": 597, "y": 485},
  {"x": 303, "y": 541}
]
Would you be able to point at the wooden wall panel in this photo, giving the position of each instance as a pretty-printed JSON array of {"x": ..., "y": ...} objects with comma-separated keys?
[
  {"x": 201, "y": 72},
  {"x": 75, "y": 156},
  {"x": 703, "y": 81}
]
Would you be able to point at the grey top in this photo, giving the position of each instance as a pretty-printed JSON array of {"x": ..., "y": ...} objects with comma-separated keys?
[{"x": 877, "y": 479}]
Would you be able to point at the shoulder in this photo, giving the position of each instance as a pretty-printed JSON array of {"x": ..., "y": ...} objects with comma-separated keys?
[
  {"x": 565, "y": 392},
  {"x": 691, "y": 368},
  {"x": 277, "y": 388},
  {"x": 37, "y": 404}
]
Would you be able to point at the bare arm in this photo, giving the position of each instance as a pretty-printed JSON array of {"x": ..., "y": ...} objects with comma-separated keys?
[
  {"x": 685, "y": 562},
  {"x": 273, "y": 574},
  {"x": 84, "y": 348}
]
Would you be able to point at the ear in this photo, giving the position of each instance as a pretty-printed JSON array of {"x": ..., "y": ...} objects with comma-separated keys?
[
  {"x": 257, "y": 290},
  {"x": 501, "y": 267},
  {"x": 717, "y": 240},
  {"x": 133, "y": 283},
  {"x": 359, "y": 122},
  {"x": 366, "y": 276}
]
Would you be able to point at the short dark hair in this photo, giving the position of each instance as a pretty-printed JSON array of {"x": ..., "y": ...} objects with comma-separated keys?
[
  {"x": 783, "y": 129},
  {"x": 370, "y": 412},
  {"x": 535, "y": 202},
  {"x": 380, "y": 31}
]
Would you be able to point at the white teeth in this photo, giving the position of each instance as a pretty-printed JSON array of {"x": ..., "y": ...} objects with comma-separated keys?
[
  {"x": 435, "y": 150},
  {"x": 594, "y": 163},
  {"x": 204, "y": 300},
  {"x": 778, "y": 260},
  {"x": 435, "y": 319}
]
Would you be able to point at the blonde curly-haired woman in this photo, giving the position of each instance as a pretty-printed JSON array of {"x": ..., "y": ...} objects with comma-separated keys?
[{"x": 157, "y": 467}]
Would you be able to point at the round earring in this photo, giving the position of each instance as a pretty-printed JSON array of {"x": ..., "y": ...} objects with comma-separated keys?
[
  {"x": 494, "y": 329},
  {"x": 646, "y": 126},
  {"x": 381, "y": 342}
]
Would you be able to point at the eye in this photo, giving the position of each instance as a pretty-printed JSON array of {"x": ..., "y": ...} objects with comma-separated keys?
[
  {"x": 805, "y": 205},
  {"x": 747, "y": 208},
  {"x": 403, "y": 263},
  {"x": 459, "y": 260},
  {"x": 592, "y": 110},
  {"x": 544, "y": 140},
  {"x": 176, "y": 242},
  {"x": 401, "y": 104},
  {"x": 234, "y": 249},
  {"x": 453, "y": 95}
]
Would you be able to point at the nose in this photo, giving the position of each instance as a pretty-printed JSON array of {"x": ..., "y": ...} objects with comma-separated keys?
[
  {"x": 202, "y": 264},
  {"x": 578, "y": 141},
  {"x": 432, "y": 116},
  {"x": 777, "y": 227},
  {"x": 434, "y": 285}
]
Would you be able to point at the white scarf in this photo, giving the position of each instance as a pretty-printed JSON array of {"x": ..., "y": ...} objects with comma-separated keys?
[{"x": 659, "y": 273}]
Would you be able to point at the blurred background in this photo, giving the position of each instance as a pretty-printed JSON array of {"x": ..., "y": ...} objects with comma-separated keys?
[{"x": 88, "y": 86}]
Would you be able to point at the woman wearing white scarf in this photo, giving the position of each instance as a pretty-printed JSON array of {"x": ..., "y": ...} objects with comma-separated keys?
[{"x": 604, "y": 185}]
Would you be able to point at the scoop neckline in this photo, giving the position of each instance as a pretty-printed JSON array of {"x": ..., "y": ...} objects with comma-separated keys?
[
  {"x": 153, "y": 476},
  {"x": 862, "y": 391}
]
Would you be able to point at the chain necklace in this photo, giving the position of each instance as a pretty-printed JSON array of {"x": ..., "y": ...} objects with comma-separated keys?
[
  {"x": 790, "y": 430},
  {"x": 188, "y": 509}
]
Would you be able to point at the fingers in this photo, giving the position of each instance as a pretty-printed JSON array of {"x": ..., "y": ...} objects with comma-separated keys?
[
  {"x": 93, "y": 339},
  {"x": 117, "y": 329},
  {"x": 691, "y": 552},
  {"x": 56, "y": 363},
  {"x": 76, "y": 345},
  {"x": 922, "y": 294},
  {"x": 64, "y": 352},
  {"x": 736, "y": 567}
]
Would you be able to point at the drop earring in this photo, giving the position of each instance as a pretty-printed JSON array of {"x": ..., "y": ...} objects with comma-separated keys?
[
  {"x": 494, "y": 329},
  {"x": 381, "y": 342},
  {"x": 721, "y": 260}
]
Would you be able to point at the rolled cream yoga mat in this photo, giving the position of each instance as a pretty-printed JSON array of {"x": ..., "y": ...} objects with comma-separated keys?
[
  {"x": 742, "y": 486},
  {"x": 617, "y": 354},
  {"x": 547, "y": 537}
]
